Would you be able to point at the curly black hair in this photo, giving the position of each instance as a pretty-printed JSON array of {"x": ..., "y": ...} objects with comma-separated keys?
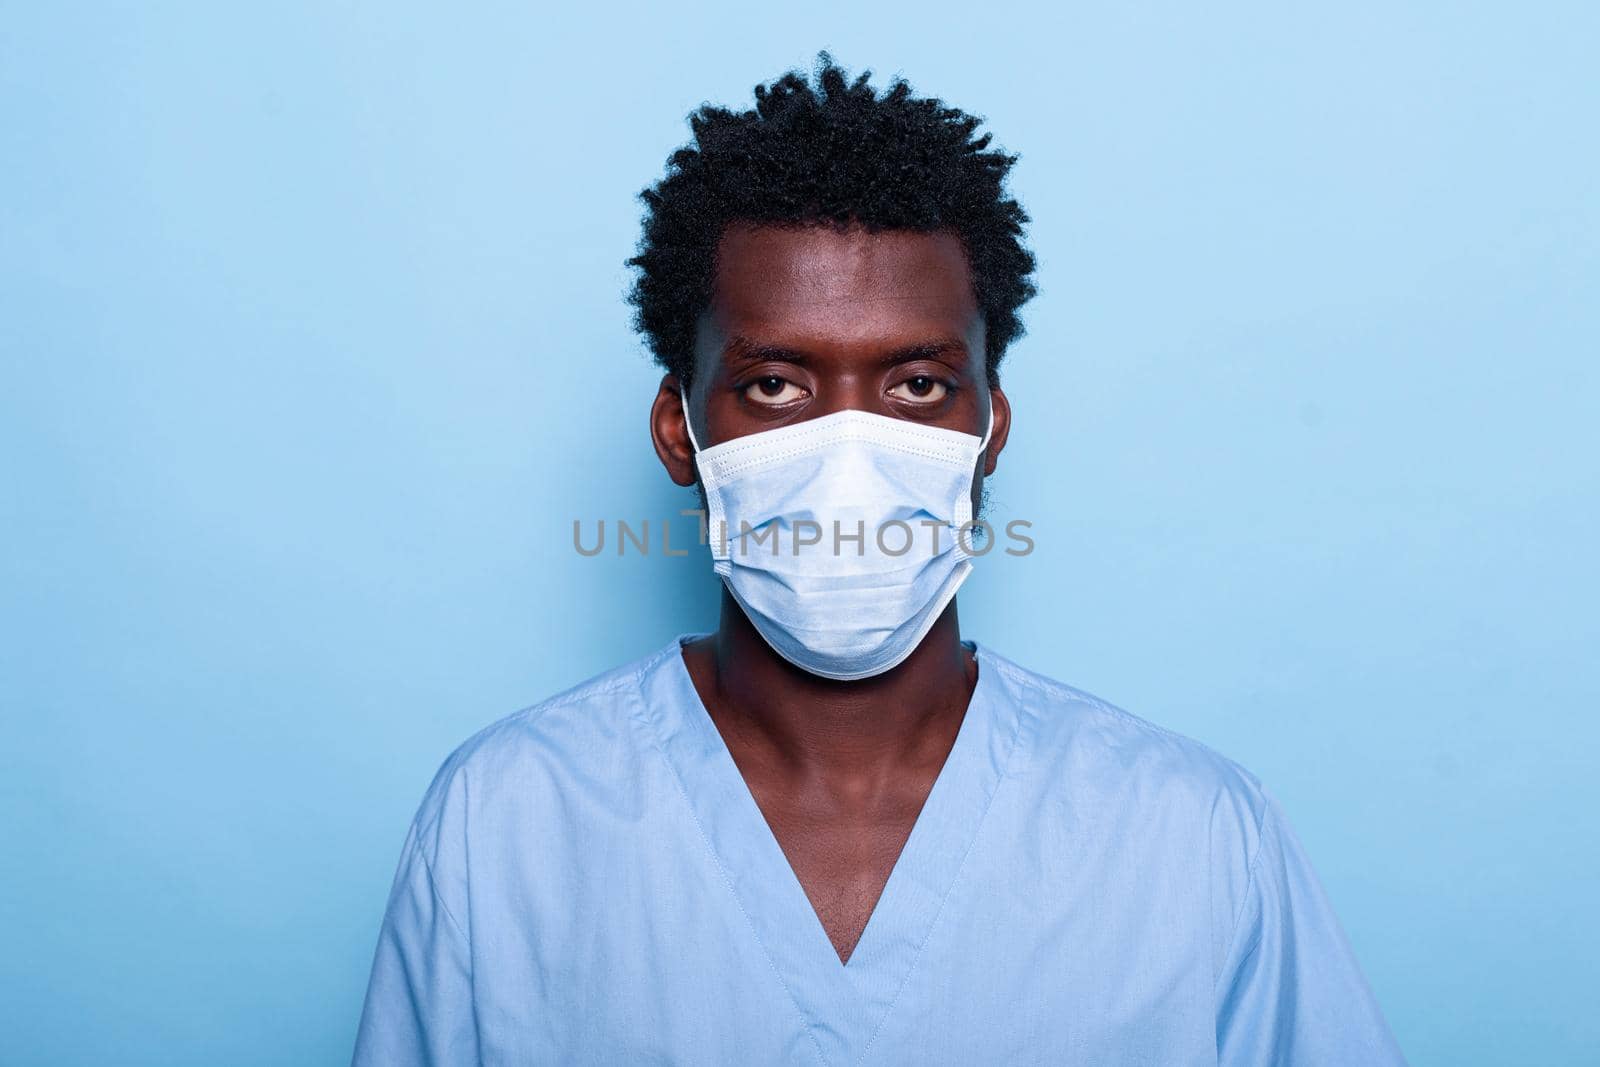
[{"x": 827, "y": 151}]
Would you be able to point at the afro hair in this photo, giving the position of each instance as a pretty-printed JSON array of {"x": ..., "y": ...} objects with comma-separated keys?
[{"x": 828, "y": 151}]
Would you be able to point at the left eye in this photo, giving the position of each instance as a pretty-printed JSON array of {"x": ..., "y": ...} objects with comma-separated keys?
[{"x": 920, "y": 390}]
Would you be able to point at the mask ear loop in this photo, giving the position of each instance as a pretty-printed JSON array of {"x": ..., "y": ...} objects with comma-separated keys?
[
  {"x": 963, "y": 507},
  {"x": 688, "y": 423},
  {"x": 713, "y": 503},
  {"x": 983, "y": 442}
]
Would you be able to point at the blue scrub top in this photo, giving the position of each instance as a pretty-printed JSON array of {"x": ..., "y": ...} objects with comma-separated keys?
[{"x": 590, "y": 881}]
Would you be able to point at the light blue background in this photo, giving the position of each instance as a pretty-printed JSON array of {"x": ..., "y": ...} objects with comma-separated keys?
[{"x": 313, "y": 347}]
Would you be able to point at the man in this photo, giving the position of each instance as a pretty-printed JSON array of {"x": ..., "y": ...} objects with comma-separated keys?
[{"x": 833, "y": 832}]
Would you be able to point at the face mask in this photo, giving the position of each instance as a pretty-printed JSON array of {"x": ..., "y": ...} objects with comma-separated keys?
[{"x": 844, "y": 537}]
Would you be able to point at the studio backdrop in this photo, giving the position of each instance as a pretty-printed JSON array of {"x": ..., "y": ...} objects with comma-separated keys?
[{"x": 313, "y": 348}]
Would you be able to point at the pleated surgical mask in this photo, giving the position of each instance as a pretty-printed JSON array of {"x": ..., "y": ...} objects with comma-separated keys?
[{"x": 843, "y": 537}]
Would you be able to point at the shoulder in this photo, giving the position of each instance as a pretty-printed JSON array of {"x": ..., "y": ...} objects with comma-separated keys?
[
  {"x": 1125, "y": 791},
  {"x": 530, "y": 755},
  {"x": 1135, "y": 769}
]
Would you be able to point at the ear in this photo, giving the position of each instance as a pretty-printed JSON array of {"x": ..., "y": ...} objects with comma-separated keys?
[
  {"x": 1001, "y": 408},
  {"x": 669, "y": 432}
]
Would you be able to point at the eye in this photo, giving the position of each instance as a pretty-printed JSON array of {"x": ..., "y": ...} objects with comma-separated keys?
[
  {"x": 773, "y": 391},
  {"x": 920, "y": 390}
]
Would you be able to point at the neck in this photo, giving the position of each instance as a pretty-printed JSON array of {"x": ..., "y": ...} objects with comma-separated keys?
[{"x": 905, "y": 715}]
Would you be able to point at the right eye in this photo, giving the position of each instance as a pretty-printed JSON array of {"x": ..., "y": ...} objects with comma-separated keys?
[{"x": 773, "y": 391}]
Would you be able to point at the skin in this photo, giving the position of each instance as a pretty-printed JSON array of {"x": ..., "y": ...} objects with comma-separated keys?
[{"x": 805, "y": 322}]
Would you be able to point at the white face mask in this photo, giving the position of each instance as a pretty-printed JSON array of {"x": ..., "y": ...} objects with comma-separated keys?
[{"x": 844, "y": 537}]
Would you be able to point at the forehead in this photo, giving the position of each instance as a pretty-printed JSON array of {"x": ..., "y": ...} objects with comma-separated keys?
[{"x": 818, "y": 287}]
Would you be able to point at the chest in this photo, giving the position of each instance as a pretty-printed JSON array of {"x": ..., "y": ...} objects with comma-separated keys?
[
  {"x": 842, "y": 856},
  {"x": 694, "y": 920},
  {"x": 657, "y": 955}
]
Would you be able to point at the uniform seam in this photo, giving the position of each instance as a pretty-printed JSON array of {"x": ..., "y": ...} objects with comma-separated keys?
[
  {"x": 955, "y": 880},
  {"x": 522, "y": 717},
  {"x": 526, "y": 716},
  {"x": 533, "y": 712},
  {"x": 1062, "y": 691},
  {"x": 433, "y": 886},
  {"x": 1250, "y": 887},
  {"x": 677, "y": 780}
]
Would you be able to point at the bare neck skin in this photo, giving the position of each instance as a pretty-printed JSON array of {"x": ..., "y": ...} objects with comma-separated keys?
[
  {"x": 840, "y": 770},
  {"x": 860, "y": 735},
  {"x": 804, "y": 322}
]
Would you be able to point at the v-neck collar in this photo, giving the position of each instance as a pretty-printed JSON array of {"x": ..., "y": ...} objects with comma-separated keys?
[{"x": 841, "y": 1004}]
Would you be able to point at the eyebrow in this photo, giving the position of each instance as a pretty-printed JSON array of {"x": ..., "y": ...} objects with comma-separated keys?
[{"x": 744, "y": 350}]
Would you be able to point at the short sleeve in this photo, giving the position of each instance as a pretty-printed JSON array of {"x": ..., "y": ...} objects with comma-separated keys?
[
  {"x": 1291, "y": 993},
  {"x": 419, "y": 1006}
]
